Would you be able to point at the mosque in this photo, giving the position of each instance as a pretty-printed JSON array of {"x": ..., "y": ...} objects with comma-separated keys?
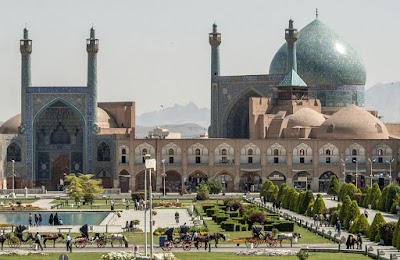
[{"x": 301, "y": 124}]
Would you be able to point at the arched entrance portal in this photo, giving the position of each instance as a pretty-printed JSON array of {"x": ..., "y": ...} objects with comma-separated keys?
[
  {"x": 227, "y": 181},
  {"x": 302, "y": 181},
  {"x": 250, "y": 181},
  {"x": 139, "y": 181},
  {"x": 277, "y": 178},
  {"x": 324, "y": 181},
  {"x": 124, "y": 180},
  {"x": 173, "y": 182},
  {"x": 58, "y": 144},
  {"x": 194, "y": 180},
  {"x": 105, "y": 177},
  {"x": 17, "y": 181}
]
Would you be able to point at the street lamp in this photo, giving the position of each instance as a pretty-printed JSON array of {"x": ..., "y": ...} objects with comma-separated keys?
[
  {"x": 151, "y": 164},
  {"x": 344, "y": 170},
  {"x": 371, "y": 175},
  {"x": 390, "y": 169},
  {"x": 164, "y": 175},
  {"x": 147, "y": 156},
  {"x": 13, "y": 175}
]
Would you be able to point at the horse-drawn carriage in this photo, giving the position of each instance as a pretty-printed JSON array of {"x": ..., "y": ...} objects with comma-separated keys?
[
  {"x": 183, "y": 241},
  {"x": 259, "y": 238},
  {"x": 100, "y": 239},
  {"x": 16, "y": 240}
]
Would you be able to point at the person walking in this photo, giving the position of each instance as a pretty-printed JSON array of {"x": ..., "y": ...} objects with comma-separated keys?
[
  {"x": 366, "y": 213},
  {"x": 40, "y": 220},
  {"x": 36, "y": 220},
  {"x": 127, "y": 204},
  {"x": 339, "y": 227},
  {"x": 38, "y": 239},
  {"x": 68, "y": 241},
  {"x": 30, "y": 219}
]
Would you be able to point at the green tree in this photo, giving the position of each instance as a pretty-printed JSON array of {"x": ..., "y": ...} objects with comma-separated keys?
[
  {"x": 374, "y": 196},
  {"x": 345, "y": 209},
  {"x": 202, "y": 193},
  {"x": 319, "y": 205},
  {"x": 364, "y": 202},
  {"x": 265, "y": 188},
  {"x": 214, "y": 186},
  {"x": 333, "y": 188},
  {"x": 347, "y": 189},
  {"x": 308, "y": 197},
  {"x": 75, "y": 187},
  {"x": 351, "y": 214},
  {"x": 396, "y": 236},
  {"x": 361, "y": 225},
  {"x": 386, "y": 232},
  {"x": 93, "y": 187},
  {"x": 373, "y": 234}
]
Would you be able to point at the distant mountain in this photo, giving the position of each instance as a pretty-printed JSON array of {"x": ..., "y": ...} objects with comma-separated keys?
[
  {"x": 384, "y": 99},
  {"x": 176, "y": 115},
  {"x": 187, "y": 130}
]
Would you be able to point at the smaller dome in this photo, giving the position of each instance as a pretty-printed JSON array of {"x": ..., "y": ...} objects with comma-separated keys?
[
  {"x": 353, "y": 122},
  {"x": 104, "y": 120},
  {"x": 11, "y": 125},
  {"x": 305, "y": 117}
]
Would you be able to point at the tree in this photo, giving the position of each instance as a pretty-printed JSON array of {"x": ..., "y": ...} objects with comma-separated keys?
[
  {"x": 319, "y": 205},
  {"x": 373, "y": 234},
  {"x": 360, "y": 225},
  {"x": 386, "y": 232},
  {"x": 333, "y": 188},
  {"x": 214, "y": 186},
  {"x": 83, "y": 186},
  {"x": 351, "y": 214},
  {"x": 374, "y": 196},
  {"x": 345, "y": 209},
  {"x": 396, "y": 236},
  {"x": 308, "y": 197},
  {"x": 202, "y": 193}
]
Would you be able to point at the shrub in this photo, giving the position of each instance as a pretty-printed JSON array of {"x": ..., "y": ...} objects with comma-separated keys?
[
  {"x": 319, "y": 205},
  {"x": 257, "y": 217},
  {"x": 212, "y": 211},
  {"x": 214, "y": 186},
  {"x": 373, "y": 234},
  {"x": 202, "y": 193},
  {"x": 234, "y": 204},
  {"x": 360, "y": 225},
  {"x": 333, "y": 187},
  {"x": 284, "y": 226},
  {"x": 396, "y": 236},
  {"x": 229, "y": 226},
  {"x": 386, "y": 231},
  {"x": 352, "y": 214}
]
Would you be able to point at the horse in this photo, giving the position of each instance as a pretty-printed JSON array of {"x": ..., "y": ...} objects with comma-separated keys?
[
  {"x": 121, "y": 238},
  {"x": 208, "y": 238},
  {"x": 3, "y": 238},
  {"x": 289, "y": 236},
  {"x": 53, "y": 237}
]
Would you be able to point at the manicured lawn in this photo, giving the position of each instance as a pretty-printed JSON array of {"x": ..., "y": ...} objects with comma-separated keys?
[{"x": 201, "y": 256}]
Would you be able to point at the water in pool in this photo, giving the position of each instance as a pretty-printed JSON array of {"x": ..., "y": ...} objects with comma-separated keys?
[{"x": 68, "y": 218}]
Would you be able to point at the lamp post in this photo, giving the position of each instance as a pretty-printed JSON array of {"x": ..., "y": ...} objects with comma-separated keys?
[
  {"x": 164, "y": 175},
  {"x": 371, "y": 175},
  {"x": 13, "y": 175},
  {"x": 151, "y": 164},
  {"x": 356, "y": 171},
  {"x": 344, "y": 170},
  {"x": 147, "y": 156},
  {"x": 390, "y": 169}
]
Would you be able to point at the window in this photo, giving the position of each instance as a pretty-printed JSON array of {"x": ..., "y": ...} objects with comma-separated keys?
[
  {"x": 380, "y": 159},
  {"x": 354, "y": 159},
  {"x": 197, "y": 152},
  {"x": 198, "y": 160},
  {"x": 380, "y": 152},
  {"x": 301, "y": 159},
  {"x": 250, "y": 160},
  {"x": 302, "y": 152},
  {"x": 224, "y": 152},
  {"x": 123, "y": 155},
  {"x": 171, "y": 151},
  {"x": 354, "y": 152},
  {"x": 328, "y": 152},
  {"x": 250, "y": 152},
  {"x": 171, "y": 159},
  {"x": 224, "y": 160},
  {"x": 276, "y": 152},
  {"x": 103, "y": 152},
  {"x": 328, "y": 160},
  {"x": 14, "y": 152},
  {"x": 276, "y": 160},
  {"x": 144, "y": 152}
]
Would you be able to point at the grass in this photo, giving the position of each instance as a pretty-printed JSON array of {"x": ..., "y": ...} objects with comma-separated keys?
[{"x": 200, "y": 256}]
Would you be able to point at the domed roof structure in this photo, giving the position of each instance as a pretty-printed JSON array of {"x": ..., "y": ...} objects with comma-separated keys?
[
  {"x": 104, "y": 120},
  {"x": 323, "y": 58},
  {"x": 305, "y": 117},
  {"x": 352, "y": 122}
]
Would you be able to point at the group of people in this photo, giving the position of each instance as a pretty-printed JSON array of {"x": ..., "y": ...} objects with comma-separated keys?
[
  {"x": 38, "y": 241},
  {"x": 55, "y": 220},
  {"x": 351, "y": 241},
  {"x": 140, "y": 204},
  {"x": 38, "y": 220}
]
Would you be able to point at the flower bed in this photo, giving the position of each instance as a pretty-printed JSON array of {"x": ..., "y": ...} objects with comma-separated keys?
[
  {"x": 21, "y": 253},
  {"x": 267, "y": 252},
  {"x": 130, "y": 256}
]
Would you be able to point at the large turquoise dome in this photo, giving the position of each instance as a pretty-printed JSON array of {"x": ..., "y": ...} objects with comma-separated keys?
[{"x": 323, "y": 58}]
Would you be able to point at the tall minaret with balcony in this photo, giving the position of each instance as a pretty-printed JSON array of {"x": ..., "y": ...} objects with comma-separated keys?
[
  {"x": 26, "y": 50},
  {"x": 92, "y": 47},
  {"x": 291, "y": 38},
  {"x": 215, "y": 41}
]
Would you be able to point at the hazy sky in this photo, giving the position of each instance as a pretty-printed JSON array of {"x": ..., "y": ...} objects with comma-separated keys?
[{"x": 157, "y": 53}]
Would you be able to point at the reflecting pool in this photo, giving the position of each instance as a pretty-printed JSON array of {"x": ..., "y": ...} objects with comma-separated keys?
[{"x": 68, "y": 217}]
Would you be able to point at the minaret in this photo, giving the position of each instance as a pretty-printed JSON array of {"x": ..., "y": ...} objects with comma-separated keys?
[
  {"x": 215, "y": 41},
  {"x": 291, "y": 38},
  {"x": 92, "y": 47},
  {"x": 26, "y": 50}
]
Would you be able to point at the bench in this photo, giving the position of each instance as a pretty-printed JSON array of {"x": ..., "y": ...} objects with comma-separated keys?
[
  {"x": 94, "y": 206},
  {"x": 64, "y": 228}
]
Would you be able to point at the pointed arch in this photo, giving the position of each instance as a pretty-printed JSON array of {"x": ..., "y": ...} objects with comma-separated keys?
[
  {"x": 276, "y": 154},
  {"x": 103, "y": 152},
  {"x": 171, "y": 153},
  {"x": 302, "y": 153},
  {"x": 250, "y": 154},
  {"x": 141, "y": 150},
  {"x": 198, "y": 154},
  {"x": 224, "y": 154},
  {"x": 14, "y": 152},
  {"x": 381, "y": 153},
  {"x": 328, "y": 154}
]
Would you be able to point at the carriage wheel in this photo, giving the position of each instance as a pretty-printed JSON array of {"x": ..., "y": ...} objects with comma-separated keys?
[
  {"x": 167, "y": 246},
  {"x": 80, "y": 242},
  {"x": 187, "y": 246},
  {"x": 177, "y": 242},
  {"x": 256, "y": 243},
  {"x": 14, "y": 242},
  {"x": 101, "y": 243}
]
